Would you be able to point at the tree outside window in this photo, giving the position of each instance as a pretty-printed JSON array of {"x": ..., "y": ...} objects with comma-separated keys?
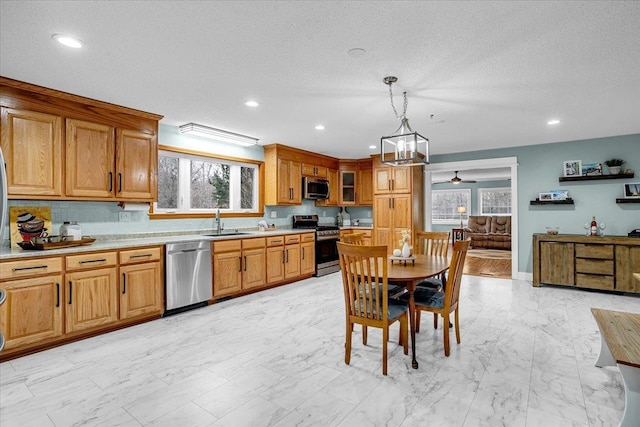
[{"x": 445, "y": 203}]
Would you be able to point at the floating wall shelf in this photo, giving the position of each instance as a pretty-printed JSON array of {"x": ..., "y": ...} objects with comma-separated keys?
[
  {"x": 551, "y": 202},
  {"x": 595, "y": 177}
]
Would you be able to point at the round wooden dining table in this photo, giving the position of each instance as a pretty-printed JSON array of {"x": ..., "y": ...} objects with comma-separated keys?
[{"x": 408, "y": 274}]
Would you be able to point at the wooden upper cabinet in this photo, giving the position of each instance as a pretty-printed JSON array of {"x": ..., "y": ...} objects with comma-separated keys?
[
  {"x": 32, "y": 147},
  {"x": 137, "y": 165},
  {"x": 314, "y": 170},
  {"x": 289, "y": 183},
  {"x": 90, "y": 159},
  {"x": 63, "y": 146},
  {"x": 364, "y": 190},
  {"x": 392, "y": 179}
]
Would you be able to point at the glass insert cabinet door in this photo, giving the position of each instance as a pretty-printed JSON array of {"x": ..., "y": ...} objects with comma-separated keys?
[{"x": 347, "y": 187}]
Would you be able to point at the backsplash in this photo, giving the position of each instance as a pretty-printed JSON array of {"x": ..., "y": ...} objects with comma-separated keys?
[{"x": 107, "y": 218}]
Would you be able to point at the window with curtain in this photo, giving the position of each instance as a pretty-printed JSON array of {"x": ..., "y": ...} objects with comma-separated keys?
[
  {"x": 195, "y": 184},
  {"x": 494, "y": 201},
  {"x": 445, "y": 203}
]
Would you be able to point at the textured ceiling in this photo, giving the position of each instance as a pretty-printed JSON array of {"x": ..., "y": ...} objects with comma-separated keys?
[{"x": 490, "y": 73}]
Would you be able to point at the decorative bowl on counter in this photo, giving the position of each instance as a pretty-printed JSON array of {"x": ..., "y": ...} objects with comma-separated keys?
[{"x": 552, "y": 230}]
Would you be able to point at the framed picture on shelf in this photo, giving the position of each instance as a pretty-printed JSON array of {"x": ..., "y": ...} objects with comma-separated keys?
[
  {"x": 559, "y": 194},
  {"x": 631, "y": 190},
  {"x": 572, "y": 167},
  {"x": 590, "y": 169},
  {"x": 545, "y": 196}
]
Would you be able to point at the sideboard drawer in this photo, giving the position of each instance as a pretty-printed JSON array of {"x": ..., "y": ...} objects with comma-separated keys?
[
  {"x": 594, "y": 281},
  {"x": 596, "y": 266},
  {"x": 594, "y": 251}
]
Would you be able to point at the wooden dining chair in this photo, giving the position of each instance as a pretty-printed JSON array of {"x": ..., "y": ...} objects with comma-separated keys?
[
  {"x": 353, "y": 238},
  {"x": 366, "y": 296},
  {"x": 445, "y": 302},
  {"x": 434, "y": 243}
]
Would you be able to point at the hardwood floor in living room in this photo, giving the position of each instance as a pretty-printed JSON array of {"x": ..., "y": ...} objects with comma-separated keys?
[{"x": 488, "y": 263}]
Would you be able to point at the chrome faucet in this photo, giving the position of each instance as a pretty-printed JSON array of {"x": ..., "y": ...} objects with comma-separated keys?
[{"x": 219, "y": 226}]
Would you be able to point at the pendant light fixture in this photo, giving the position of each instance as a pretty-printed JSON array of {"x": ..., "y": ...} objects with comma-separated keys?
[{"x": 404, "y": 147}]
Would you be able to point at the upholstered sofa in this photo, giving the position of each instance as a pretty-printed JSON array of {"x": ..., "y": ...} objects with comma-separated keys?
[{"x": 493, "y": 232}]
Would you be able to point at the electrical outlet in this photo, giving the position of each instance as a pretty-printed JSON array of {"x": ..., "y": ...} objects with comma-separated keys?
[
  {"x": 368, "y": 214},
  {"x": 324, "y": 213},
  {"x": 274, "y": 214},
  {"x": 124, "y": 216}
]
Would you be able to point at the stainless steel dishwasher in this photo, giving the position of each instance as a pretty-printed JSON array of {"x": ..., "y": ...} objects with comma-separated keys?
[{"x": 187, "y": 275}]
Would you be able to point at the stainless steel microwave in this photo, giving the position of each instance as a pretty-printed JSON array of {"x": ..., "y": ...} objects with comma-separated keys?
[{"x": 315, "y": 188}]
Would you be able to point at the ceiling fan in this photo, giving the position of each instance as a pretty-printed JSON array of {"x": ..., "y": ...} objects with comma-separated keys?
[{"x": 456, "y": 180}]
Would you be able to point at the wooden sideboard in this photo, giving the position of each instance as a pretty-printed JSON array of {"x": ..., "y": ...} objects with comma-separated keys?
[{"x": 594, "y": 262}]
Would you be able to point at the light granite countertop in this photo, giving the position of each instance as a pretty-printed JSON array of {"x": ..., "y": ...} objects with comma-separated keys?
[{"x": 116, "y": 242}]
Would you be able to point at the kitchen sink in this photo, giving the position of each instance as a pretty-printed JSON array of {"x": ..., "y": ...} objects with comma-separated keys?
[{"x": 225, "y": 233}]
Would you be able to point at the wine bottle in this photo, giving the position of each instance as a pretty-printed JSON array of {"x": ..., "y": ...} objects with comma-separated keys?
[{"x": 594, "y": 227}]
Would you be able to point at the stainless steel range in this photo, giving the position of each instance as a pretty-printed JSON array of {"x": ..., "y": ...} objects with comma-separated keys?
[{"x": 327, "y": 236}]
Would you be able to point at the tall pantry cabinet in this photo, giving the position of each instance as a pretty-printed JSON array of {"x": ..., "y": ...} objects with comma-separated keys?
[{"x": 397, "y": 202}]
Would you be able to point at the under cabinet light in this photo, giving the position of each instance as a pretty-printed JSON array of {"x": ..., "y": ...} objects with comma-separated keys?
[{"x": 218, "y": 134}]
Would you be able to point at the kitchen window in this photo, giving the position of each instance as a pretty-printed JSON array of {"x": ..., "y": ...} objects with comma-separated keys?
[
  {"x": 445, "y": 203},
  {"x": 200, "y": 184},
  {"x": 495, "y": 201}
]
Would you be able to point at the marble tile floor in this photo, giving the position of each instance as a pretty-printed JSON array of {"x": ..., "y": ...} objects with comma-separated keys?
[{"x": 276, "y": 358}]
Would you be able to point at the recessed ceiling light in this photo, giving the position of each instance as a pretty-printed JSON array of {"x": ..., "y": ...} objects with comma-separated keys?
[
  {"x": 356, "y": 52},
  {"x": 251, "y": 103},
  {"x": 319, "y": 127},
  {"x": 553, "y": 122},
  {"x": 67, "y": 41},
  {"x": 373, "y": 147}
]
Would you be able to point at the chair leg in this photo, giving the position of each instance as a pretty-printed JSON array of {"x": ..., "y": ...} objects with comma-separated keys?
[
  {"x": 347, "y": 344},
  {"x": 385, "y": 338},
  {"x": 457, "y": 326},
  {"x": 417, "y": 320},
  {"x": 435, "y": 321},
  {"x": 364, "y": 335},
  {"x": 404, "y": 333},
  {"x": 446, "y": 340}
]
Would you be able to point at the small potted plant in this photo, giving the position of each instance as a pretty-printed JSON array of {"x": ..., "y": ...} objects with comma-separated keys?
[{"x": 614, "y": 165}]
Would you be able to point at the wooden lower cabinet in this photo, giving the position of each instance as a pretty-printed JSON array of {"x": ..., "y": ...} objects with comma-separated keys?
[
  {"x": 604, "y": 263},
  {"x": 140, "y": 292},
  {"x": 307, "y": 254},
  {"x": 227, "y": 267},
  {"x": 275, "y": 259},
  {"x": 254, "y": 258},
  {"x": 33, "y": 310},
  {"x": 92, "y": 299},
  {"x": 292, "y": 255},
  {"x": 55, "y": 299}
]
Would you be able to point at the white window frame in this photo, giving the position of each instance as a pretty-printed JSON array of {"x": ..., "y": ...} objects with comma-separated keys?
[
  {"x": 486, "y": 190},
  {"x": 184, "y": 187},
  {"x": 455, "y": 220}
]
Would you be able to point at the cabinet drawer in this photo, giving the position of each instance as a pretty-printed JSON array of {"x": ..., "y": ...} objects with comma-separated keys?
[
  {"x": 309, "y": 237},
  {"x": 275, "y": 241},
  {"x": 30, "y": 267},
  {"x": 594, "y": 281},
  {"x": 76, "y": 262},
  {"x": 594, "y": 251},
  {"x": 139, "y": 255},
  {"x": 596, "y": 266},
  {"x": 291, "y": 239},
  {"x": 227, "y": 245},
  {"x": 253, "y": 243}
]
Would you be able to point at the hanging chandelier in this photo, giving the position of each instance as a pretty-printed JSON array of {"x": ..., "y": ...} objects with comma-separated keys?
[{"x": 404, "y": 147}]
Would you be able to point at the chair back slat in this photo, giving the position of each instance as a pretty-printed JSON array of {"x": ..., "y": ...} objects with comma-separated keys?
[{"x": 433, "y": 242}]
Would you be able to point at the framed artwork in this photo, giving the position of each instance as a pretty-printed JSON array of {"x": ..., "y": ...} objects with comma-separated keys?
[
  {"x": 572, "y": 167},
  {"x": 559, "y": 194},
  {"x": 545, "y": 196},
  {"x": 26, "y": 222},
  {"x": 592, "y": 169},
  {"x": 631, "y": 190}
]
